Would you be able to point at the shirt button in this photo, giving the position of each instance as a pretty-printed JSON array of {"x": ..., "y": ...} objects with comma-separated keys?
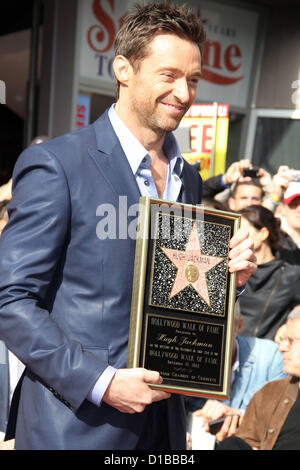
[
  {"x": 147, "y": 183},
  {"x": 286, "y": 401},
  {"x": 144, "y": 160},
  {"x": 271, "y": 430}
]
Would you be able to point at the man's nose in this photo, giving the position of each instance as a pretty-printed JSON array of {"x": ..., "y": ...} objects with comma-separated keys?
[{"x": 181, "y": 90}]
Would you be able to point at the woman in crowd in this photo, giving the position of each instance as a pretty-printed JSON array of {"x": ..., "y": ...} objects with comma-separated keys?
[{"x": 274, "y": 289}]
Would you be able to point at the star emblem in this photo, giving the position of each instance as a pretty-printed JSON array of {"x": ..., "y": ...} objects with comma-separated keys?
[{"x": 191, "y": 266}]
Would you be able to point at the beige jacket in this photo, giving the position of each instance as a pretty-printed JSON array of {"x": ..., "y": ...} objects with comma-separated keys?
[{"x": 267, "y": 411}]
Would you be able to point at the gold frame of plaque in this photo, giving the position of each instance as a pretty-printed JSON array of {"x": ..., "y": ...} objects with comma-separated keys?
[{"x": 183, "y": 297}]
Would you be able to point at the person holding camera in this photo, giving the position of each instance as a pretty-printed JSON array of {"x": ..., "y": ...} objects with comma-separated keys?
[
  {"x": 284, "y": 201},
  {"x": 244, "y": 183},
  {"x": 289, "y": 212}
]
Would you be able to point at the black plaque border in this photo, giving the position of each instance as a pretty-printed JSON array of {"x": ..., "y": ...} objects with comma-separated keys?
[{"x": 141, "y": 306}]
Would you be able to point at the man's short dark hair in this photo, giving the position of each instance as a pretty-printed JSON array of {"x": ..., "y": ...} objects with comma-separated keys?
[
  {"x": 145, "y": 22},
  {"x": 252, "y": 182}
]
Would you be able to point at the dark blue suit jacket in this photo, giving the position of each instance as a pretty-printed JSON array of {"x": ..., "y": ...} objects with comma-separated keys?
[{"x": 65, "y": 294}]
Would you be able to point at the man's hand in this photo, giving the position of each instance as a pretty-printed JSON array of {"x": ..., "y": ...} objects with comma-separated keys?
[
  {"x": 214, "y": 409},
  {"x": 235, "y": 172},
  {"x": 129, "y": 391},
  {"x": 229, "y": 427},
  {"x": 242, "y": 257},
  {"x": 7, "y": 445},
  {"x": 281, "y": 180}
]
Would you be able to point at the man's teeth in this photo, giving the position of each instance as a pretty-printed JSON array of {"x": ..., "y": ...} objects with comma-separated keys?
[{"x": 178, "y": 108}]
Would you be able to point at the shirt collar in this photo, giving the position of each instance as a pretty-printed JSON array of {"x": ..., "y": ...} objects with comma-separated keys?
[{"x": 136, "y": 153}]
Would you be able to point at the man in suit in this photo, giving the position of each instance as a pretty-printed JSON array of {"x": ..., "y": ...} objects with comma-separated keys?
[{"x": 65, "y": 287}]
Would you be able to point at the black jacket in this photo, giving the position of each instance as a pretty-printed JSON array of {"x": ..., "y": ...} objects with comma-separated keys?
[{"x": 270, "y": 294}]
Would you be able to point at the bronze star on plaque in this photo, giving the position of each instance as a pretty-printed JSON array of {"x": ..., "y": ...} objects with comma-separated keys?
[{"x": 191, "y": 266}]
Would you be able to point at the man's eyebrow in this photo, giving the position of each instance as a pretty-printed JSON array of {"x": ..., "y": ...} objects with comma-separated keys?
[{"x": 197, "y": 73}]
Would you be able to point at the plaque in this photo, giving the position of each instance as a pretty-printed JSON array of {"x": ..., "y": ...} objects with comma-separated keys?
[{"x": 182, "y": 311}]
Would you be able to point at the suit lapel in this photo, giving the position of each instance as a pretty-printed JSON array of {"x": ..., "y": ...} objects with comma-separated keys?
[{"x": 112, "y": 162}]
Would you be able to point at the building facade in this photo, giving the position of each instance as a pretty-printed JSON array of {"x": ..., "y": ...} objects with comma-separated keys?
[{"x": 251, "y": 61}]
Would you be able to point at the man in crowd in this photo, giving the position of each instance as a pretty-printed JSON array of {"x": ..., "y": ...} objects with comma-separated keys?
[
  {"x": 271, "y": 420},
  {"x": 231, "y": 179},
  {"x": 65, "y": 293},
  {"x": 290, "y": 212},
  {"x": 245, "y": 193},
  {"x": 255, "y": 361}
]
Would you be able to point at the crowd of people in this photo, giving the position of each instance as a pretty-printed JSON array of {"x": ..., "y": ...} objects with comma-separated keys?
[
  {"x": 261, "y": 315},
  {"x": 270, "y": 210},
  {"x": 65, "y": 295}
]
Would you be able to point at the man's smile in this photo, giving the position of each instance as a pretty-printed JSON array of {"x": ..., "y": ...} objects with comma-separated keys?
[{"x": 174, "y": 108}]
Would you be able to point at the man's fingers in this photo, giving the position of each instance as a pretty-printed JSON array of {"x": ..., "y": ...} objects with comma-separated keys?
[
  {"x": 158, "y": 395},
  {"x": 242, "y": 257},
  {"x": 152, "y": 376},
  {"x": 228, "y": 428},
  {"x": 129, "y": 390},
  {"x": 239, "y": 242}
]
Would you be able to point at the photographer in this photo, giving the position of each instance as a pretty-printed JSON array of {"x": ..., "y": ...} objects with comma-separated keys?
[
  {"x": 290, "y": 212},
  {"x": 238, "y": 172},
  {"x": 279, "y": 185}
]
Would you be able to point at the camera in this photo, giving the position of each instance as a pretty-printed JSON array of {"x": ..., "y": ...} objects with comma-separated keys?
[
  {"x": 251, "y": 172},
  {"x": 296, "y": 175},
  {"x": 215, "y": 426}
]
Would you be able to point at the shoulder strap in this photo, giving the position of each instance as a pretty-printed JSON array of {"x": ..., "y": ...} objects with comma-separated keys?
[
  {"x": 13, "y": 412},
  {"x": 269, "y": 299}
]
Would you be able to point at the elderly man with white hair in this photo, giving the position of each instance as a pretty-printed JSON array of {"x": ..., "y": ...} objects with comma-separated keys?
[
  {"x": 255, "y": 362},
  {"x": 271, "y": 421}
]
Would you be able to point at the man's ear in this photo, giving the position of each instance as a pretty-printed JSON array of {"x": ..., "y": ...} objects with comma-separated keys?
[{"x": 122, "y": 69}]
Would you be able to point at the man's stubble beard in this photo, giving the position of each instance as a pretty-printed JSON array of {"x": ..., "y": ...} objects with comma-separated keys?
[{"x": 153, "y": 120}]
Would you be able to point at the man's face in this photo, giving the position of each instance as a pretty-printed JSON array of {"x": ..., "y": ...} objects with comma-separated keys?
[
  {"x": 291, "y": 213},
  {"x": 245, "y": 195},
  {"x": 164, "y": 85},
  {"x": 290, "y": 348}
]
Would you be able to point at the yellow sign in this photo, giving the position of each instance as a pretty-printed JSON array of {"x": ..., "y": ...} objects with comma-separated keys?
[{"x": 208, "y": 125}]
